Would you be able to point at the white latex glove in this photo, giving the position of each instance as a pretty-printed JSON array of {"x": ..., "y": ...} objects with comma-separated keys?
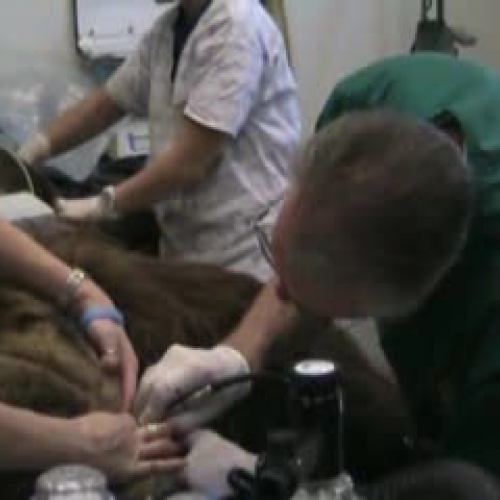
[
  {"x": 93, "y": 208},
  {"x": 35, "y": 150},
  {"x": 182, "y": 370},
  {"x": 209, "y": 462}
]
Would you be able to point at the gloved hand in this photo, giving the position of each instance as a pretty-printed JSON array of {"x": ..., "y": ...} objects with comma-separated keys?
[
  {"x": 209, "y": 462},
  {"x": 94, "y": 208},
  {"x": 35, "y": 150},
  {"x": 183, "y": 369}
]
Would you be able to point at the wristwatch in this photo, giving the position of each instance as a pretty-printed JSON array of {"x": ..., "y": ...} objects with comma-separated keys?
[
  {"x": 107, "y": 199},
  {"x": 73, "y": 282}
]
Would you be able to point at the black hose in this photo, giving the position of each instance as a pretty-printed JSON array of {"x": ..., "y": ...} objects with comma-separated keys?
[
  {"x": 439, "y": 480},
  {"x": 224, "y": 384}
]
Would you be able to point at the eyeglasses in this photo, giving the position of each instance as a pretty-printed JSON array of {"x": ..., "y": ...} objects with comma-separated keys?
[{"x": 257, "y": 225}]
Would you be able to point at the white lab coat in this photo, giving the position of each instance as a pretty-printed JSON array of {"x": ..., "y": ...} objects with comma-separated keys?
[{"x": 234, "y": 77}]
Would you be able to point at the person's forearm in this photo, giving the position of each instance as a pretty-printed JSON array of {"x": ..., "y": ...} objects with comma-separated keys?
[
  {"x": 83, "y": 121},
  {"x": 189, "y": 159},
  {"x": 24, "y": 261},
  {"x": 153, "y": 183},
  {"x": 29, "y": 441},
  {"x": 268, "y": 318}
]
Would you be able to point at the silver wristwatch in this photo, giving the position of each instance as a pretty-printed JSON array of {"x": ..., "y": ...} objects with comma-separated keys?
[
  {"x": 70, "y": 291},
  {"x": 108, "y": 201}
]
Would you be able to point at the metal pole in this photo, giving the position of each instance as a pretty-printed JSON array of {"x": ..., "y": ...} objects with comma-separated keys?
[{"x": 440, "y": 11}]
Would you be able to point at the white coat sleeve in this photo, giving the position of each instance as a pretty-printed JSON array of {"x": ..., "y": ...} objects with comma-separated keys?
[
  {"x": 228, "y": 79},
  {"x": 129, "y": 85}
]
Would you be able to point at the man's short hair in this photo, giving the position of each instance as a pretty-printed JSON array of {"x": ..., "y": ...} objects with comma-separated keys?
[{"x": 388, "y": 200}]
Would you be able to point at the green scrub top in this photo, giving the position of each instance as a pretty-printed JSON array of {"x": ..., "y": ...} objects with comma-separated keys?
[{"x": 447, "y": 354}]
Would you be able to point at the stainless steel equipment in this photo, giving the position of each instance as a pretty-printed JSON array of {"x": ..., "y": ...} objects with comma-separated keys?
[{"x": 72, "y": 482}]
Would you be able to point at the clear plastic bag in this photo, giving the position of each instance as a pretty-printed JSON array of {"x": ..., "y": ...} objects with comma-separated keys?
[{"x": 32, "y": 98}]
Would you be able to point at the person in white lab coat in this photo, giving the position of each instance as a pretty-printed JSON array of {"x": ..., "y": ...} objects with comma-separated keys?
[{"x": 214, "y": 80}]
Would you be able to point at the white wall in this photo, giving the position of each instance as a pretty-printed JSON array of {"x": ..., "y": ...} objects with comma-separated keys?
[
  {"x": 37, "y": 33},
  {"x": 331, "y": 38}
]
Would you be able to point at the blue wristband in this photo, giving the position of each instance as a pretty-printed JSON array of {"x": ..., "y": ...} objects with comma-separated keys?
[{"x": 95, "y": 313}]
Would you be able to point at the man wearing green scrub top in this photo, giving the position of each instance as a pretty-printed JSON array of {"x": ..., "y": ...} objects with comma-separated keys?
[
  {"x": 447, "y": 354},
  {"x": 387, "y": 219}
]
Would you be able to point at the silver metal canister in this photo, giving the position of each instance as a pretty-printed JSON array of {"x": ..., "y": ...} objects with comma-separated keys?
[
  {"x": 72, "y": 482},
  {"x": 339, "y": 488}
]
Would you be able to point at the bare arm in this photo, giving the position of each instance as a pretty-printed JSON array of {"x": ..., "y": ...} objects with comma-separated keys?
[
  {"x": 31, "y": 441},
  {"x": 112, "y": 443},
  {"x": 83, "y": 121},
  {"x": 268, "y": 319},
  {"x": 27, "y": 263},
  {"x": 190, "y": 158},
  {"x": 24, "y": 261}
]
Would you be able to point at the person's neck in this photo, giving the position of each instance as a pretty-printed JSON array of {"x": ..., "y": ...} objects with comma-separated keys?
[{"x": 192, "y": 8}]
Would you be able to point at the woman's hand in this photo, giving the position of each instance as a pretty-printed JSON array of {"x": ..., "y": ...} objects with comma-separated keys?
[
  {"x": 117, "y": 354},
  {"x": 115, "y": 445},
  {"x": 109, "y": 339}
]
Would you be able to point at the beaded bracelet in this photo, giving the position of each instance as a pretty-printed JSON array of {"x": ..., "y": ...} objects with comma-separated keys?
[{"x": 95, "y": 313}]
